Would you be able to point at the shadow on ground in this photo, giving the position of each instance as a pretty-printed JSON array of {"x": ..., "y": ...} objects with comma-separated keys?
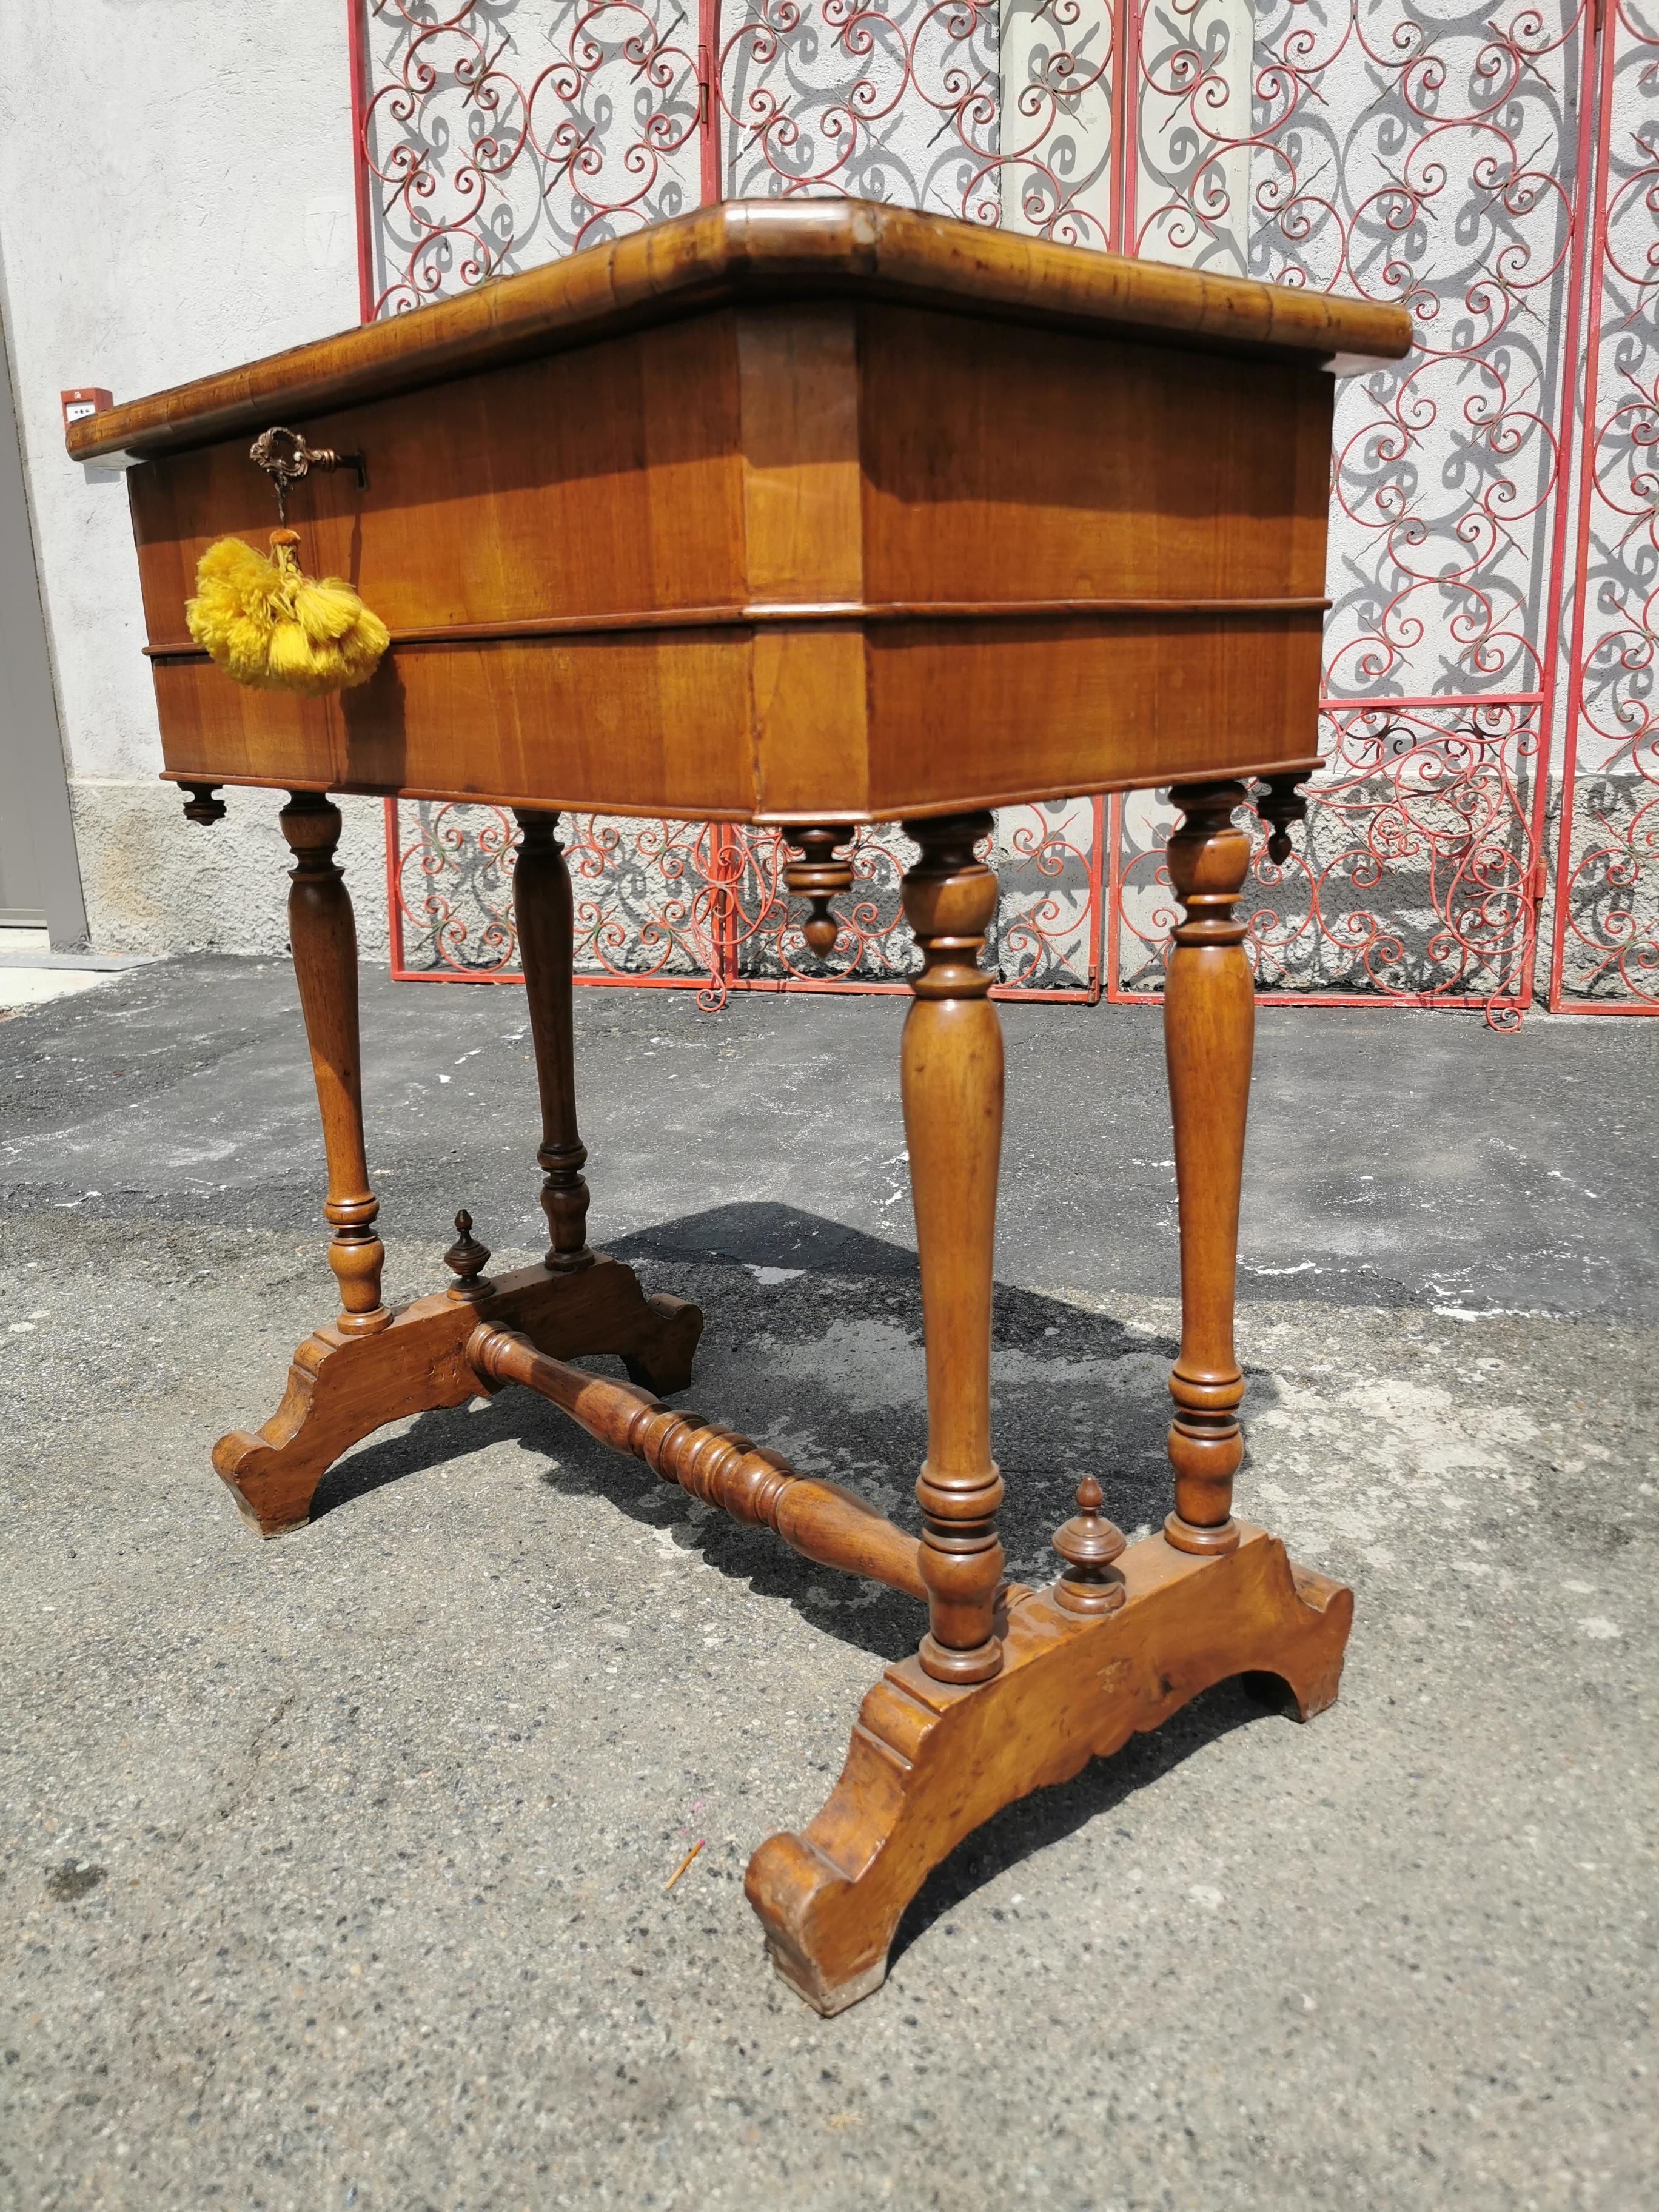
[{"x": 826, "y": 1363}]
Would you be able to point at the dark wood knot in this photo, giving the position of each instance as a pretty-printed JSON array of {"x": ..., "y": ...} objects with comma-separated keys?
[
  {"x": 466, "y": 1259},
  {"x": 1088, "y": 1544}
]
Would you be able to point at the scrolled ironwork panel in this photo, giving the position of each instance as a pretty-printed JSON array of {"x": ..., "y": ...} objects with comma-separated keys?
[
  {"x": 648, "y": 897},
  {"x": 1411, "y": 878},
  {"x": 702, "y": 906},
  {"x": 1606, "y": 950},
  {"x": 1429, "y": 159},
  {"x": 1420, "y": 158},
  {"x": 896, "y": 101},
  {"x": 1435, "y": 168},
  {"x": 1049, "y": 865},
  {"x": 1057, "y": 134},
  {"x": 497, "y": 134},
  {"x": 449, "y": 877},
  {"x": 1189, "y": 159},
  {"x": 996, "y": 111}
]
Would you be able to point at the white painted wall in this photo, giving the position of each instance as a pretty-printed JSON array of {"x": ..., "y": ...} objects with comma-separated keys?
[{"x": 175, "y": 196}]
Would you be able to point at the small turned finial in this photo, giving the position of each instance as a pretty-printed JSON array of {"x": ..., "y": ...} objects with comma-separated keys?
[
  {"x": 817, "y": 878},
  {"x": 1088, "y": 1544},
  {"x": 1279, "y": 805},
  {"x": 204, "y": 804},
  {"x": 467, "y": 1259}
]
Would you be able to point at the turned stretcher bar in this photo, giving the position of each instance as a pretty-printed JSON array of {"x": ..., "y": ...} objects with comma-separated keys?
[{"x": 820, "y": 1520}]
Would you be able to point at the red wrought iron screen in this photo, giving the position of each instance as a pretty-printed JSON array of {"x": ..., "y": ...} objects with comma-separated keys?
[
  {"x": 701, "y": 905},
  {"x": 1493, "y": 564}
]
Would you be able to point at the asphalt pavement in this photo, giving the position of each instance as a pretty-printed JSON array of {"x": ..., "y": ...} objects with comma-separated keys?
[{"x": 332, "y": 1870}]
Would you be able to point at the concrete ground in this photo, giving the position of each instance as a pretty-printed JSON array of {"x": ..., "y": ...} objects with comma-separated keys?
[
  {"x": 32, "y": 975},
  {"x": 333, "y": 1871}
]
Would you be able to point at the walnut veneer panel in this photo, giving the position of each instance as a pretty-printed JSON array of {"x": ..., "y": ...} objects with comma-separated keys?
[
  {"x": 1040, "y": 464},
  {"x": 637, "y": 726},
  {"x": 1046, "y": 712},
  {"x": 585, "y": 482}
]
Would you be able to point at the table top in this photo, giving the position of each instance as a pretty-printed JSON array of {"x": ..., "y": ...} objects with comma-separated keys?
[{"x": 748, "y": 250}]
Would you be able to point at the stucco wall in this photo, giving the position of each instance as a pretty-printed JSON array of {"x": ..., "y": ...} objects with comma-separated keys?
[{"x": 175, "y": 196}]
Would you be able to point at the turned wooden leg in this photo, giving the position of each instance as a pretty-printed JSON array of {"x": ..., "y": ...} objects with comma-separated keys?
[
  {"x": 324, "y": 937},
  {"x": 1129, "y": 1633},
  {"x": 952, "y": 1089},
  {"x": 541, "y": 899},
  {"x": 1209, "y": 1027},
  {"x": 371, "y": 1366}
]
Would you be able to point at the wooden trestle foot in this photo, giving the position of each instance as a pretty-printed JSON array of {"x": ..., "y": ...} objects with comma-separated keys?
[
  {"x": 341, "y": 1388},
  {"x": 930, "y": 1761}
]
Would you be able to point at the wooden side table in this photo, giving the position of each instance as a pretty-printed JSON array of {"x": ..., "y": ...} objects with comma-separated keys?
[{"x": 810, "y": 513}]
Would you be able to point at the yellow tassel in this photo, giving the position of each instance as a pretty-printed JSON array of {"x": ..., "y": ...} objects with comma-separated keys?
[{"x": 267, "y": 624}]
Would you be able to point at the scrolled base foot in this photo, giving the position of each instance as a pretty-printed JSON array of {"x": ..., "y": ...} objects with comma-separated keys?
[
  {"x": 342, "y": 1387},
  {"x": 826, "y": 1998},
  {"x": 662, "y": 1361},
  {"x": 929, "y": 1762}
]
